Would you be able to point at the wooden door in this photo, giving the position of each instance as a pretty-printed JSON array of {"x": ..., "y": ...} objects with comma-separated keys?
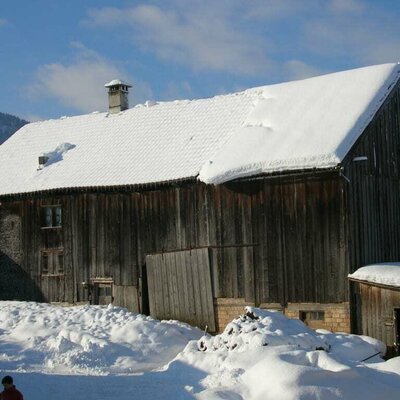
[
  {"x": 179, "y": 287},
  {"x": 53, "y": 275}
]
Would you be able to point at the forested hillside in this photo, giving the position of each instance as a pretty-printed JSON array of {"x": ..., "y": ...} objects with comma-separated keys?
[{"x": 8, "y": 125}]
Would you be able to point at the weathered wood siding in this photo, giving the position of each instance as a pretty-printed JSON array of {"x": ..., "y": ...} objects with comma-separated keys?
[
  {"x": 296, "y": 226},
  {"x": 272, "y": 240},
  {"x": 372, "y": 173},
  {"x": 374, "y": 189},
  {"x": 376, "y": 311},
  {"x": 180, "y": 287}
]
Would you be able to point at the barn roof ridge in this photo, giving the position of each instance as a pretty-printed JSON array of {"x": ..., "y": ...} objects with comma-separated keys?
[{"x": 304, "y": 124}]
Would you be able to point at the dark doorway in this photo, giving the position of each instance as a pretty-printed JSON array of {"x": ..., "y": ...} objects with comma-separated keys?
[{"x": 102, "y": 293}]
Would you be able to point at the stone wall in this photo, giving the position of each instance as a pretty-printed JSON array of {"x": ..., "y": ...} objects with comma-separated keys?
[
  {"x": 10, "y": 234},
  {"x": 15, "y": 282},
  {"x": 11, "y": 274}
]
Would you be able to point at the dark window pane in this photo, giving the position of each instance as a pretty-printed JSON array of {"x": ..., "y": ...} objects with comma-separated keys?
[
  {"x": 312, "y": 315},
  {"x": 60, "y": 263},
  {"x": 45, "y": 264},
  {"x": 48, "y": 217},
  {"x": 57, "y": 216}
]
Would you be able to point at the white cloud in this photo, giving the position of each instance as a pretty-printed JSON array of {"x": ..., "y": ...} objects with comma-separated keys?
[
  {"x": 271, "y": 39},
  {"x": 178, "y": 90},
  {"x": 368, "y": 42},
  {"x": 282, "y": 9},
  {"x": 347, "y": 32},
  {"x": 271, "y": 10},
  {"x": 204, "y": 35},
  {"x": 80, "y": 84},
  {"x": 346, "y": 6},
  {"x": 296, "y": 69},
  {"x": 32, "y": 117}
]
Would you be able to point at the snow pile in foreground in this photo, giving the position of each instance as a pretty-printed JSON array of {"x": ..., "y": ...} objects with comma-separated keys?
[
  {"x": 86, "y": 339},
  {"x": 263, "y": 355},
  {"x": 385, "y": 274},
  {"x": 274, "y": 358},
  {"x": 259, "y": 327}
]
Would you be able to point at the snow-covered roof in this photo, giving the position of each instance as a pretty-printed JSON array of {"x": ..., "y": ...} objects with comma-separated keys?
[
  {"x": 310, "y": 123},
  {"x": 387, "y": 274},
  {"x": 115, "y": 82}
]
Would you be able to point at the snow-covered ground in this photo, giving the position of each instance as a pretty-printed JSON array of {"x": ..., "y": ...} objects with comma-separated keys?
[{"x": 94, "y": 352}]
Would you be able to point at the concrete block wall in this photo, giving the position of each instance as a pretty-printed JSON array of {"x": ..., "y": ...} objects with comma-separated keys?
[
  {"x": 336, "y": 318},
  {"x": 226, "y": 310},
  {"x": 337, "y": 315}
]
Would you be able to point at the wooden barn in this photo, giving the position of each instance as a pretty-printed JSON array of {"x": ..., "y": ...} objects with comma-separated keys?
[
  {"x": 192, "y": 209},
  {"x": 376, "y": 291}
]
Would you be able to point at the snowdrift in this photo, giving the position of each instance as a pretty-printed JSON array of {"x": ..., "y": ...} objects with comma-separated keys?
[
  {"x": 63, "y": 353},
  {"x": 86, "y": 339},
  {"x": 264, "y": 355},
  {"x": 264, "y": 328},
  {"x": 258, "y": 327}
]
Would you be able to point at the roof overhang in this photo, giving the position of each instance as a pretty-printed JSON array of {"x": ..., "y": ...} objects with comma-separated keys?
[
  {"x": 380, "y": 285},
  {"x": 313, "y": 173}
]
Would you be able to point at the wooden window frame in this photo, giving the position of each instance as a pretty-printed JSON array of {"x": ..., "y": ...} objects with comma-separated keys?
[
  {"x": 53, "y": 208},
  {"x": 50, "y": 270}
]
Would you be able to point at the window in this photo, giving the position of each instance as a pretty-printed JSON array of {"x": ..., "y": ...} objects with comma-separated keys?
[
  {"x": 52, "y": 217},
  {"x": 52, "y": 262},
  {"x": 306, "y": 316}
]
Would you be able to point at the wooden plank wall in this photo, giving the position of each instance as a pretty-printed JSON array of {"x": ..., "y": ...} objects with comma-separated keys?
[
  {"x": 297, "y": 227},
  {"x": 180, "y": 287},
  {"x": 276, "y": 239},
  {"x": 109, "y": 235},
  {"x": 373, "y": 189},
  {"x": 272, "y": 240},
  {"x": 377, "y": 312}
]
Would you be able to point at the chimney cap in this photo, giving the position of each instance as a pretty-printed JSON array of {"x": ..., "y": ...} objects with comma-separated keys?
[{"x": 117, "y": 82}]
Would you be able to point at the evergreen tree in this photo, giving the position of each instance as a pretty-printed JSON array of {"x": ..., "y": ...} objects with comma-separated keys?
[{"x": 9, "y": 125}]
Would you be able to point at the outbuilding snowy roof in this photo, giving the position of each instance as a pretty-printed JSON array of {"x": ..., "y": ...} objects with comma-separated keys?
[
  {"x": 310, "y": 123},
  {"x": 387, "y": 274}
]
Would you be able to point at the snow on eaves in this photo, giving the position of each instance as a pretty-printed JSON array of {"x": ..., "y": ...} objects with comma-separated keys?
[
  {"x": 311, "y": 123},
  {"x": 384, "y": 274},
  {"x": 304, "y": 124}
]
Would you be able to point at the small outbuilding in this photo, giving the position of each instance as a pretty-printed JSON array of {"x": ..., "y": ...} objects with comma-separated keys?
[{"x": 376, "y": 303}]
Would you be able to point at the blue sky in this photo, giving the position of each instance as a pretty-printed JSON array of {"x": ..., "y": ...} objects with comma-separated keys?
[{"x": 55, "y": 56}]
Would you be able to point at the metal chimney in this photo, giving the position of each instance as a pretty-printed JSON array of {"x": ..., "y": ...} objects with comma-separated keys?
[{"x": 117, "y": 95}]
